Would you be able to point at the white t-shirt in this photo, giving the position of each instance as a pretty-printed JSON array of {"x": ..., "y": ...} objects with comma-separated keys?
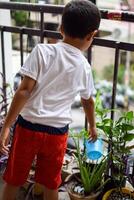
[{"x": 61, "y": 72}]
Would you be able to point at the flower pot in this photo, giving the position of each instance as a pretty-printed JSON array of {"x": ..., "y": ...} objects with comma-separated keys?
[
  {"x": 74, "y": 196},
  {"x": 38, "y": 189},
  {"x": 124, "y": 190},
  {"x": 70, "y": 182}
]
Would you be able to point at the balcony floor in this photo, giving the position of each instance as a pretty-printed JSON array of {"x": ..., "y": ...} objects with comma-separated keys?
[{"x": 20, "y": 195}]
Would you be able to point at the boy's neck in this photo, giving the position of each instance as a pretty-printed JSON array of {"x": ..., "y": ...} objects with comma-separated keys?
[{"x": 76, "y": 42}]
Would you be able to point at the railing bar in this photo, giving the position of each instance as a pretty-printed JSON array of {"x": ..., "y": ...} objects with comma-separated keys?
[
  {"x": 3, "y": 68},
  {"x": 104, "y": 42},
  {"x": 3, "y": 55},
  {"x": 41, "y": 27},
  {"x": 30, "y": 31},
  {"x": 112, "y": 44},
  {"x": 47, "y": 8},
  {"x": 54, "y": 34},
  {"x": 12, "y": 29},
  {"x": 21, "y": 47},
  {"x": 115, "y": 77},
  {"x": 89, "y": 60},
  {"x": 58, "y": 9},
  {"x": 126, "y": 46}
]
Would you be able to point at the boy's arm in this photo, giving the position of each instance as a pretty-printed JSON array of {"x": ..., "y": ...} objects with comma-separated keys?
[
  {"x": 20, "y": 98},
  {"x": 88, "y": 105}
]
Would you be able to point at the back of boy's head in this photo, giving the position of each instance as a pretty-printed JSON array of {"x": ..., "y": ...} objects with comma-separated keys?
[{"x": 80, "y": 17}]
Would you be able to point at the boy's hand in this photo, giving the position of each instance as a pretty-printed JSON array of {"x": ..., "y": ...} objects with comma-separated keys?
[
  {"x": 89, "y": 108},
  {"x": 93, "y": 134},
  {"x": 4, "y": 141}
]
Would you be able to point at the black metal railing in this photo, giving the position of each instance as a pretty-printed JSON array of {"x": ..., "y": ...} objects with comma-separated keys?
[{"x": 42, "y": 33}]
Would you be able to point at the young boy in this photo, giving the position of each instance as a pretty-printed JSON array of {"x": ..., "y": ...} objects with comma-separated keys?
[{"x": 52, "y": 76}]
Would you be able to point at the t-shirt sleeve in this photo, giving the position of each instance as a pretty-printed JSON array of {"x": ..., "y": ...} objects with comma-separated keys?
[
  {"x": 31, "y": 66},
  {"x": 88, "y": 83}
]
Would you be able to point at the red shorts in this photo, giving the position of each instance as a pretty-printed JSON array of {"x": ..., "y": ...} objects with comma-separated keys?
[{"x": 49, "y": 149}]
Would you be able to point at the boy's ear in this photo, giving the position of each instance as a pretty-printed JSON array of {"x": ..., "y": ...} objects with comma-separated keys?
[
  {"x": 95, "y": 33},
  {"x": 92, "y": 35}
]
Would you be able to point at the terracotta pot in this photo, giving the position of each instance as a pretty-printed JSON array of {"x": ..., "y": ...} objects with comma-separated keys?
[
  {"x": 124, "y": 190},
  {"x": 74, "y": 196},
  {"x": 38, "y": 189},
  {"x": 70, "y": 182}
]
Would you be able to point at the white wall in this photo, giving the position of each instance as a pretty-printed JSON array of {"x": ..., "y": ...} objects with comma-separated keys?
[{"x": 6, "y": 20}]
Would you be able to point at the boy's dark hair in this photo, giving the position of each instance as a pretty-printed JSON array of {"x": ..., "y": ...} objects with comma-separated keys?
[{"x": 79, "y": 18}]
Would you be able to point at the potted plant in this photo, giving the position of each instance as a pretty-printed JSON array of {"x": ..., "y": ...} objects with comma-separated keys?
[
  {"x": 3, "y": 99},
  {"x": 88, "y": 182},
  {"x": 119, "y": 133},
  {"x": 6, "y": 94}
]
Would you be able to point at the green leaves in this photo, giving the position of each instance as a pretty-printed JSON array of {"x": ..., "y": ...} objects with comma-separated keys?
[
  {"x": 128, "y": 137},
  {"x": 85, "y": 178},
  {"x": 130, "y": 115},
  {"x": 118, "y": 133},
  {"x": 91, "y": 178}
]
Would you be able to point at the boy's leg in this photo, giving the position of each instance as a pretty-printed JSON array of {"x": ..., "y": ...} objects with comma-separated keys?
[
  {"x": 9, "y": 192},
  {"x": 22, "y": 153},
  {"x": 49, "y": 164},
  {"x": 50, "y": 194}
]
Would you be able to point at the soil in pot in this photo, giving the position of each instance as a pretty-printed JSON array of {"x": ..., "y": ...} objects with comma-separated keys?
[
  {"x": 114, "y": 194},
  {"x": 118, "y": 196}
]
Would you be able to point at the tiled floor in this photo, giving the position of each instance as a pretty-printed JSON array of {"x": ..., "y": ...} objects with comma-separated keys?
[
  {"x": 1, "y": 184},
  {"x": 63, "y": 195}
]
